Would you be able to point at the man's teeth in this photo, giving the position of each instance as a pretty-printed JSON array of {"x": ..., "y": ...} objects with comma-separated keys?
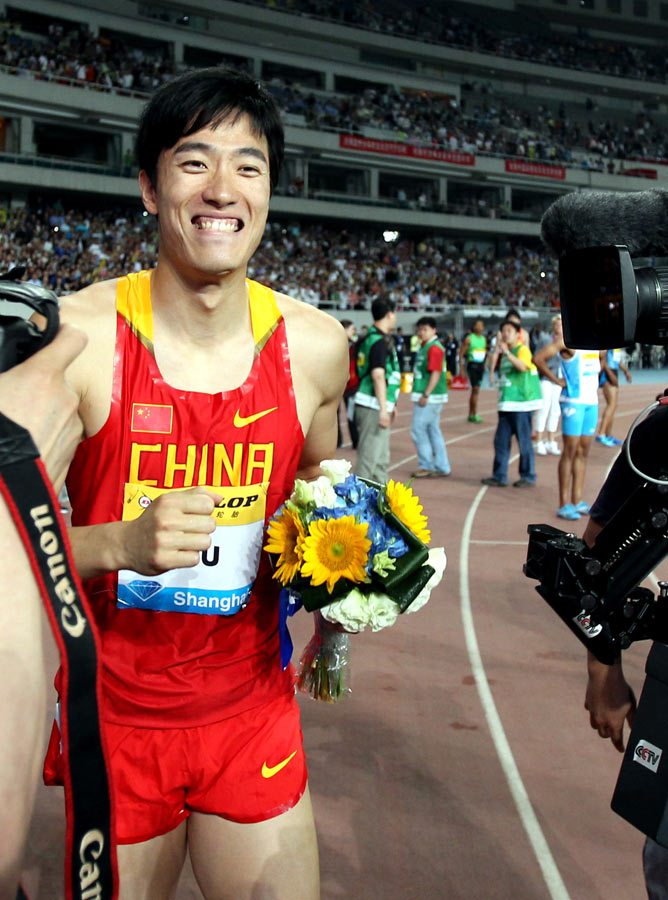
[{"x": 217, "y": 224}]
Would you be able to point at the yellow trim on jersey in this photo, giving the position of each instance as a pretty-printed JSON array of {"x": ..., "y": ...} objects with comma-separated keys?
[{"x": 133, "y": 302}]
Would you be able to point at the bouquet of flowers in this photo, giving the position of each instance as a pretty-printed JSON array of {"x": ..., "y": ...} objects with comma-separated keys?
[{"x": 354, "y": 553}]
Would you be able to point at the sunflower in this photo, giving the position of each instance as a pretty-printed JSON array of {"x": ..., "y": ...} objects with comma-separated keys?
[
  {"x": 334, "y": 549},
  {"x": 285, "y": 536},
  {"x": 406, "y": 507}
]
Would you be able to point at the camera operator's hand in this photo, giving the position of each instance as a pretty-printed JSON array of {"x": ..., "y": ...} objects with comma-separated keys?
[
  {"x": 609, "y": 700},
  {"x": 37, "y": 396}
]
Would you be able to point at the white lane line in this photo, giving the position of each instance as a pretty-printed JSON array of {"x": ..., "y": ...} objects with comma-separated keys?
[{"x": 553, "y": 880}]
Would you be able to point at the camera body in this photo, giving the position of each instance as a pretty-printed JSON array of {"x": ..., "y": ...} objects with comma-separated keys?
[
  {"x": 20, "y": 337},
  {"x": 595, "y": 590}
]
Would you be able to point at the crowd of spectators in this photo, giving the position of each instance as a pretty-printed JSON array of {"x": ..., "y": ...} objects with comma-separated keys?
[
  {"x": 73, "y": 54},
  {"x": 324, "y": 266},
  {"x": 436, "y": 24},
  {"x": 485, "y": 125}
]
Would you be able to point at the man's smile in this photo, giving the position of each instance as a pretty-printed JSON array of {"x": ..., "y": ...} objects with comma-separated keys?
[{"x": 210, "y": 223}]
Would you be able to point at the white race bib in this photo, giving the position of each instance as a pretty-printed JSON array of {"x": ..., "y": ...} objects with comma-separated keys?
[{"x": 221, "y": 582}]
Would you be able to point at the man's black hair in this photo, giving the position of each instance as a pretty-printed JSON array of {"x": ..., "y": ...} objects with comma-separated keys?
[
  {"x": 426, "y": 320},
  {"x": 512, "y": 322},
  {"x": 207, "y": 97},
  {"x": 380, "y": 307},
  {"x": 513, "y": 312},
  {"x": 346, "y": 323}
]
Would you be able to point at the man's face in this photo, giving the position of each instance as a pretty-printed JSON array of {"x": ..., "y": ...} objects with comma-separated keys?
[
  {"x": 212, "y": 199},
  {"x": 509, "y": 334},
  {"x": 478, "y": 327},
  {"x": 351, "y": 331},
  {"x": 425, "y": 333}
]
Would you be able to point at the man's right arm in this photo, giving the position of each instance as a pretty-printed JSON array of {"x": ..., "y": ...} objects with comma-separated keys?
[
  {"x": 462, "y": 352},
  {"x": 380, "y": 390},
  {"x": 170, "y": 534},
  {"x": 173, "y": 530}
]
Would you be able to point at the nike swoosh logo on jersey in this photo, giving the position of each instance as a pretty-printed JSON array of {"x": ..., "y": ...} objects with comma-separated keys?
[
  {"x": 241, "y": 421},
  {"x": 270, "y": 771}
]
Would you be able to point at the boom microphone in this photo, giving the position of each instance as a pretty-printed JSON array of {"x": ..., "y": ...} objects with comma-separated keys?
[{"x": 638, "y": 220}]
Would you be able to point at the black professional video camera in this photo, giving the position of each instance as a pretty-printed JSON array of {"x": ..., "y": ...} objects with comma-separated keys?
[
  {"x": 613, "y": 278},
  {"x": 613, "y": 267},
  {"x": 19, "y": 337},
  {"x": 594, "y": 591}
]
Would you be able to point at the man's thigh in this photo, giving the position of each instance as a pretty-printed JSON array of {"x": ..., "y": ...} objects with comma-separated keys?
[{"x": 276, "y": 858}]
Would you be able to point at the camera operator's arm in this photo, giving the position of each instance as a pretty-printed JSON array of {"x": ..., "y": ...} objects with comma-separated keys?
[
  {"x": 609, "y": 698},
  {"x": 36, "y": 395}
]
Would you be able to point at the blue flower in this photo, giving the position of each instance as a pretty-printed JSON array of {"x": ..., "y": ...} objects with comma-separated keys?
[{"x": 355, "y": 492}]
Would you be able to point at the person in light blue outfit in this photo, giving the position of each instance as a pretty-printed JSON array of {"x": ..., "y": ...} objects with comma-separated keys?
[
  {"x": 579, "y": 415},
  {"x": 430, "y": 392}
]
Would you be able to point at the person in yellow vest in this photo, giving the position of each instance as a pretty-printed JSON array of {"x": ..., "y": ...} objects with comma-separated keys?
[
  {"x": 430, "y": 392},
  {"x": 519, "y": 396}
]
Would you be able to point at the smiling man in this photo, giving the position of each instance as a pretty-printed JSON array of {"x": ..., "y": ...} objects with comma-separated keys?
[{"x": 202, "y": 396}]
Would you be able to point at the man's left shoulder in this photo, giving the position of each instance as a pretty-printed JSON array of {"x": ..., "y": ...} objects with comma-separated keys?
[{"x": 305, "y": 321}]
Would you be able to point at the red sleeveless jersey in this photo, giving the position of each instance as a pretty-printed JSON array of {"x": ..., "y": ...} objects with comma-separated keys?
[{"x": 179, "y": 668}]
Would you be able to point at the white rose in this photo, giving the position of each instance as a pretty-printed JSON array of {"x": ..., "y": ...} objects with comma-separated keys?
[
  {"x": 383, "y": 611},
  {"x": 337, "y": 470},
  {"x": 438, "y": 560},
  {"x": 352, "y": 612},
  {"x": 302, "y": 493},
  {"x": 323, "y": 492}
]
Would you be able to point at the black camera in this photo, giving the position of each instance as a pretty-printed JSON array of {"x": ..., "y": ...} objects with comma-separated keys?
[
  {"x": 595, "y": 591},
  {"x": 20, "y": 337},
  {"x": 609, "y": 299}
]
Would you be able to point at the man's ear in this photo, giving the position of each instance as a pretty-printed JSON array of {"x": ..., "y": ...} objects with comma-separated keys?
[{"x": 148, "y": 193}]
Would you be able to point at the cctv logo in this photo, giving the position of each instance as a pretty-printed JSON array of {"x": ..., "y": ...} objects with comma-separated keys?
[
  {"x": 647, "y": 755},
  {"x": 586, "y": 625}
]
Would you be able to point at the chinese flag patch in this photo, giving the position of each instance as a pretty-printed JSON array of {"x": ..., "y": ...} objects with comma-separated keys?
[{"x": 152, "y": 417}]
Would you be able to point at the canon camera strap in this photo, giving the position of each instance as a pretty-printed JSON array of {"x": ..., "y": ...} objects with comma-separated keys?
[{"x": 90, "y": 857}]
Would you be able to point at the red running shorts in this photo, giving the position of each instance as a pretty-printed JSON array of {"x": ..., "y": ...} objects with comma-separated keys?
[{"x": 247, "y": 768}]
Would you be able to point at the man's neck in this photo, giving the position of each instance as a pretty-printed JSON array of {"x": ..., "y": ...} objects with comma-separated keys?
[{"x": 199, "y": 309}]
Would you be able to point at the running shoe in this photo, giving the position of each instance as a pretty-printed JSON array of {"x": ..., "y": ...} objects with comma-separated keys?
[
  {"x": 615, "y": 442},
  {"x": 422, "y": 473},
  {"x": 553, "y": 448},
  {"x": 523, "y": 482},
  {"x": 541, "y": 448},
  {"x": 605, "y": 440},
  {"x": 475, "y": 419},
  {"x": 493, "y": 482},
  {"x": 582, "y": 508},
  {"x": 568, "y": 511}
]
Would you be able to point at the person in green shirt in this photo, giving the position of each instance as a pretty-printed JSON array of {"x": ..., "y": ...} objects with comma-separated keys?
[
  {"x": 519, "y": 396},
  {"x": 380, "y": 377},
  {"x": 472, "y": 356}
]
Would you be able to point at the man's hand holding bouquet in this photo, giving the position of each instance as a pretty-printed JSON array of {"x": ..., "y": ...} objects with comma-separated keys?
[{"x": 354, "y": 553}]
